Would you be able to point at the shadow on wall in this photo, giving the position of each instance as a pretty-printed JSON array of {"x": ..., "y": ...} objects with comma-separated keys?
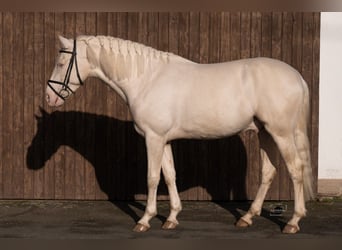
[{"x": 118, "y": 156}]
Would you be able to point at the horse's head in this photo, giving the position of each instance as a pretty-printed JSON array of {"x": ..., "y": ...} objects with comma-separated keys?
[{"x": 71, "y": 69}]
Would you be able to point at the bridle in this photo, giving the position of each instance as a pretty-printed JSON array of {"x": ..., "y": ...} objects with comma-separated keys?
[{"x": 65, "y": 91}]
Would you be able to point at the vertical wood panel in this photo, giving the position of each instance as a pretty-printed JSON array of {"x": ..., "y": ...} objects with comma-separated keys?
[
  {"x": 141, "y": 170},
  {"x": 277, "y": 33},
  {"x": 58, "y": 126},
  {"x": 202, "y": 150},
  {"x": 7, "y": 118},
  {"x": 70, "y": 164},
  {"x": 235, "y": 36},
  {"x": 215, "y": 163},
  {"x": 18, "y": 93},
  {"x": 1, "y": 107},
  {"x": 49, "y": 133},
  {"x": 194, "y": 55},
  {"x": 80, "y": 120},
  {"x": 101, "y": 105},
  {"x": 286, "y": 56},
  {"x": 254, "y": 169},
  {"x": 309, "y": 71},
  {"x": 90, "y": 89},
  {"x": 225, "y": 37},
  {"x": 39, "y": 84},
  {"x": 315, "y": 98}
]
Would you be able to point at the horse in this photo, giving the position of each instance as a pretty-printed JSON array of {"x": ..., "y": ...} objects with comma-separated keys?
[{"x": 171, "y": 98}]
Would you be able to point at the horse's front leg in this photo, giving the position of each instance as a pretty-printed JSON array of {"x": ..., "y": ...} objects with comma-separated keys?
[
  {"x": 155, "y": 149},
  {"x": 170, "y": 180}
]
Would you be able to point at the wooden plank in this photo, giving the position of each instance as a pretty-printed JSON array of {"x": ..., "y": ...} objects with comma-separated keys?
[
  {"x": 49, "y": 132},
  {"x": 152, "y": 32},
  {"x": 266, "y": 50},
  {"x": 256, "y": 31},
  {"x": 173, "y": 32},
  {"x": 246, "y": 170},
  {"x": 254, "y": 163},
  {"x": 235, "y": 35},
  {"x": 315, "y": 98},
  {"x": 286, "y": 56},
  {"x": 297, "y": 41},
  {"x": 141, "y": 171},
  {"x": 1, "y": 106},
  {"x": 203, "y": 147},
  {"x": 245, "y": 35},
  {"x": 308, "y": 74},
  {"x": 225, "y": 37},
  {"x": 7, "y": 101},
  {"x": 29, "y": 120},
  {"x": 80, "y": 120},
  {"x": 70, "y": 164},
  {"x": 173, "y": 44},
  {"x": 111, "y": 128},
  {"x": 101, "y": 148},
  {"x": 287, "y": 37},
  {"x": 131, "y": 181},
  {"x": 183, "y": 149},
  {"x": 194, "y": 55},
  {"x": 18, "y": 93},
  {"x": 90, "y": 106},
  {"x": 163, "y": 31},
  {"x": 214, "y": 161},
  {"x": 251, "y": 34},
  {"x": 121, "y": 114},
  {"x": 276, "y": 53},
  {"x": 39, "y": 84},
  {"x": 266, "y": 24},
  {"x": 59, "y": 124}
]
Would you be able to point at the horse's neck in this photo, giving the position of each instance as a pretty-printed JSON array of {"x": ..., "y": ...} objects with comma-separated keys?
[{"x": 123, "y": 63}]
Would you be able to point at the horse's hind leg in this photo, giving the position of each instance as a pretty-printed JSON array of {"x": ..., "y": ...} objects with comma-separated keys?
[
  {"x": 295, "y": 165},
  {"x": 170, "y": 180},
  {"x": 268, "y": 173}
]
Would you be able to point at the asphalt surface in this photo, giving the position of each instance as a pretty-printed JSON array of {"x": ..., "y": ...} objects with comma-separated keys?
[{"x": 198, "y": 220}]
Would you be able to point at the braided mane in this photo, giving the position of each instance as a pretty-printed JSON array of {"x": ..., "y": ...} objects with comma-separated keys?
[{"x": 121, "y": 59}]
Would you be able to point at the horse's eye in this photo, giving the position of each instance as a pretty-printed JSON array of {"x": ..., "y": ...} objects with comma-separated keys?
[{"x": 60, "y": 65}]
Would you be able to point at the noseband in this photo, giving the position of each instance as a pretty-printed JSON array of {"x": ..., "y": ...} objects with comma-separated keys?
[{"x": 65, "y": 91}]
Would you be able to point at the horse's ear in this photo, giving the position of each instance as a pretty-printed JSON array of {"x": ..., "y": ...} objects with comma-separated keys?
[{"x": 65, "y": 43}]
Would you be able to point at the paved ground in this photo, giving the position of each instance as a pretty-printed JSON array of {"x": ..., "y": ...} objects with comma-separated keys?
[{"x": 107, "y": 220}]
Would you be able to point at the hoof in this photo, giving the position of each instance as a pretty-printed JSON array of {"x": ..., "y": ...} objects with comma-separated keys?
[
  {"x": 169, "y": 225},
  {"x": 140, "y": 228},
  {"x": 290, "y": 229},
  {"x": 241, "y": 223}
]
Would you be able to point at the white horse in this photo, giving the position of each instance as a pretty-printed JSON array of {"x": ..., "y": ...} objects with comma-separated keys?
[{"x": 171, "y": 97}]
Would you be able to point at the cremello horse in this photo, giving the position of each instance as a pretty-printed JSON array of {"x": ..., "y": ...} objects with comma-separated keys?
[{"x": 171, "y": 97}]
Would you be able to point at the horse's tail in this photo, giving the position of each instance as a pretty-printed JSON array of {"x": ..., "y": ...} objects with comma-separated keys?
[{"x": 303, "y": 144}]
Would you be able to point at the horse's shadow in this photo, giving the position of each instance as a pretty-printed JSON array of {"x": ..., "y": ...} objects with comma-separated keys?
[{"x": 118, "y": 156}]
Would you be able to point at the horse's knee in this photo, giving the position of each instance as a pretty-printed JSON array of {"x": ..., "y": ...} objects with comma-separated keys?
[{"x": 153, "y": 182}]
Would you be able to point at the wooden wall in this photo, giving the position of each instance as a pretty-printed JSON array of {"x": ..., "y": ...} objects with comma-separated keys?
[{"x": 88, "y": 149}]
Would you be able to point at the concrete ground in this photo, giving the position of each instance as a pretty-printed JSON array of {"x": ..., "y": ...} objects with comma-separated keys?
[{"x": 203, "y": 220}]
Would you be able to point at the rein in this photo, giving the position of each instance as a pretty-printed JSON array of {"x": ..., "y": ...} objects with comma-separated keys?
[{"x": 65, "y": 91}]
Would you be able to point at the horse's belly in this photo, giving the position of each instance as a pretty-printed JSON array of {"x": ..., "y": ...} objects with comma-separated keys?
[{"x": 213, "y": 125}]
